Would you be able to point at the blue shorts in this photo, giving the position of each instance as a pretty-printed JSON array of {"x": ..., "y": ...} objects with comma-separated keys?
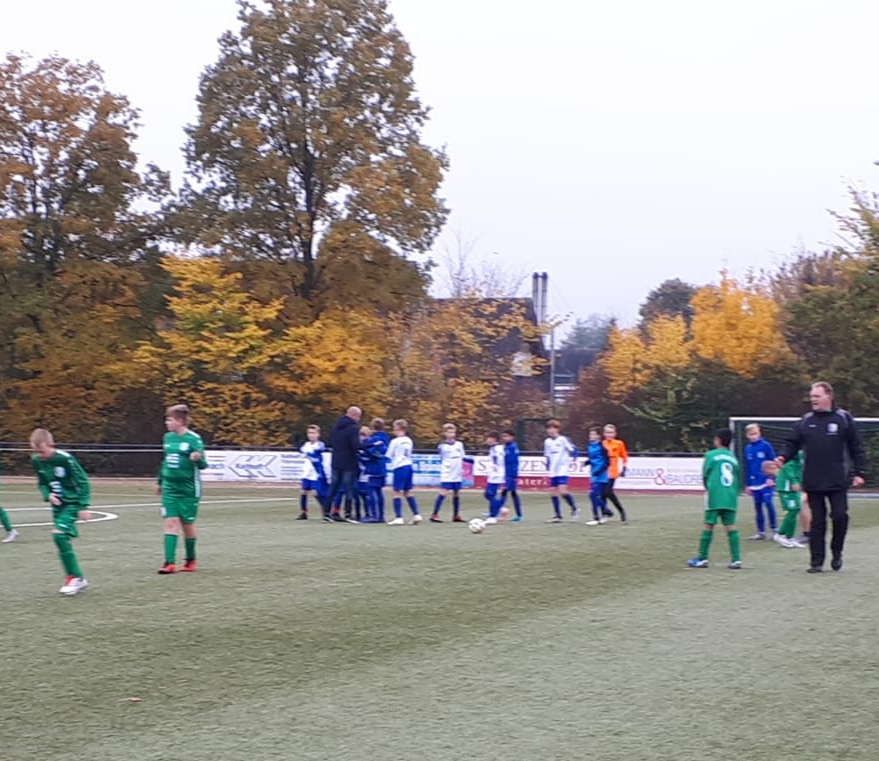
[
  {"x": 558, "y": 481},
  {"x": 308, "y": 485},
  {"x": 377, "y": 482},
  {"x": 451, "y": 485},
  {"x": 403, "y": 478},
  {"x": 510, "y": 483}
]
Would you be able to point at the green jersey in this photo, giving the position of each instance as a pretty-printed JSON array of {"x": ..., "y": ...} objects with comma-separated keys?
[
  {"x": 790, "y": 476},
  {"x": 180, "y": 474},
  {"x": 721, "y": 477},
  {"x": 64, "y": 477}
]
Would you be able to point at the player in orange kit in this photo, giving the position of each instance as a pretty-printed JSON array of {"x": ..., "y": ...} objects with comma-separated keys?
[{"x": 619, "y": 457}]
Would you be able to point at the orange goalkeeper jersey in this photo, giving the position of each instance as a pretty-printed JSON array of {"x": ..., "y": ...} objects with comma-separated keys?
[{"x": 618, "y": 456}]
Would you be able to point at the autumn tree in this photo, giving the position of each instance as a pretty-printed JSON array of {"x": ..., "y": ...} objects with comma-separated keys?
[
  {"x": 213, "y": 353},
  {"x": 670, "y": 298},
  {"x": 308, "y": 137},
  {"x": 831, "y": 318},
  {"x": 738, "y": 325},
  {"x": 454, "y": 359},
  {"x": 76, "y": 243},
  {"x": 679, "y": 377}
]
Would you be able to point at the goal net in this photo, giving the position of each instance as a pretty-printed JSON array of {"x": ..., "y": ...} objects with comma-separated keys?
[{"x": 776, "y": 429}]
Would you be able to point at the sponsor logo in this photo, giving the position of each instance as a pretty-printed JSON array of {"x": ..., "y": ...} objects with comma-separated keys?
[
  {"x": 59, "y": 472},
  {"x": 253, "y": 466},
  {"x": 832, "y": 429}
]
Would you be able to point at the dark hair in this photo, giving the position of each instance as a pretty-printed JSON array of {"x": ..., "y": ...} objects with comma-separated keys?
[
  {"x": 724, "y": 435},
  {"x": 509, "y": 432},
  {"x": 492, "y": 435},
  {"x": 595, "y": 429},
  {"x": 378, "y": 424}
]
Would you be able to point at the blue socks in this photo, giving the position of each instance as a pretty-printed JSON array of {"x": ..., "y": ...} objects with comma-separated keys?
[
  {"x": 413, "y": 505},
  {"x": 438, "y": 503},
  {"x": 398, "y": 507},
  {"x": 517, "y": 503},
  {"x": 556, "y": 507},
  {"x": 456, "y": 504}
]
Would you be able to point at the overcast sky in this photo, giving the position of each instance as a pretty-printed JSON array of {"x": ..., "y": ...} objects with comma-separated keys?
[{"x": 610, "y": 144}]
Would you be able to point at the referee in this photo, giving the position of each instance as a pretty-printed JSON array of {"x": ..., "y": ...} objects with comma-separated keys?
[{"x": 829, "y": 437}]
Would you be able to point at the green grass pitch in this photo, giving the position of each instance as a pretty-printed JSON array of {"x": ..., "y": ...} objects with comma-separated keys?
[{"x": 530, "y": 642}]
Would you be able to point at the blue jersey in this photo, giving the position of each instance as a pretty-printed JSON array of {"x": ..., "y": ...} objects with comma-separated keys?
[
  {"x": 376, "y": 447},
  {"x": 511, "y": 459},
  {"x": 755, "y": 455},
  {"x": 599, "y": 462}
]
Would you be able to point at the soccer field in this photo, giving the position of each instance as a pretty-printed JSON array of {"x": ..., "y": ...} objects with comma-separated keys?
[{"x": 307, "y": 641}]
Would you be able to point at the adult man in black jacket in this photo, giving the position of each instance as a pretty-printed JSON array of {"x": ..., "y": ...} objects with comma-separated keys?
[
  {"x": 829, "y": 436},
  {"x": 344, "y": 445}
]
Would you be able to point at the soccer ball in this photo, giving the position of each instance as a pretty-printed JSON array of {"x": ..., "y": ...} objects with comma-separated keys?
[{"x": 477, "y": 526}]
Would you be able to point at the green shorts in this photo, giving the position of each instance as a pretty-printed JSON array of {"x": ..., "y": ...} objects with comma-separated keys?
[
  {"x": 726, "y": 516},
  {"x": 64, "y": 519},
  {"x": 177, "y": 506},
  {"x": 790, "y": 500}
]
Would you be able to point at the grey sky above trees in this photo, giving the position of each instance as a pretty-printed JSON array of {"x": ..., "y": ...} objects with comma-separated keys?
[{"x": 634, "y": 143}]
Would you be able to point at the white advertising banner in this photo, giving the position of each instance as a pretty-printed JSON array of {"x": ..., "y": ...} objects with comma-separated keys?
[{"x": 643, "y": 473}]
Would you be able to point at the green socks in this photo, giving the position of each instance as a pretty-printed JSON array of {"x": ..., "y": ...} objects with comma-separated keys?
[
  {"x": 68, "y": 557},
  {"x": 735, "y": 546},
  {"x": 705, "y": 543},
  {"x": 190, "y": 548},
  {"x": 4, "y": 520},
  {"x": 788, "y": 526},
  {"x": 170, "y": 548}
]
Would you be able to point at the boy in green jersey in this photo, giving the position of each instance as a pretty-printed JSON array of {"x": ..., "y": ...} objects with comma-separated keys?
[
  {"x": 180, "y": 486},
  {"x": 64, "y": 485},
  {"x": 721, "y": 477},
  {"x": 789, "y": 486},
  {"x": 11, "y": 533}
]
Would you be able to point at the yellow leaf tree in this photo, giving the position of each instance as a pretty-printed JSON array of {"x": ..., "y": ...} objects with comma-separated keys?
[
  {"x": 212, "y": 353},
  {"x": 739, "y": 326},
  {"x": 324, "y": 367}
]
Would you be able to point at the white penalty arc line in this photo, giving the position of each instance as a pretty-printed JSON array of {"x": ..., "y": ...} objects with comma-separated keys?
[
  {"x": 108, "y": 516},
  {"x": 104, "y": 516}
]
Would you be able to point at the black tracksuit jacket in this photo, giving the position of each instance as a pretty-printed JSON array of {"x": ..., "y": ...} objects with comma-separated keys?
[{"x": 833, "y": 447}]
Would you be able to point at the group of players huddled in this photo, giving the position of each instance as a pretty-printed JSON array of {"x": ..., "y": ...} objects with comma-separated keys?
[{"x": 380, "y": 456}]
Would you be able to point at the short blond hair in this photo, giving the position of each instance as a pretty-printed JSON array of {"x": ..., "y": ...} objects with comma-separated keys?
[
  {"x": 178, "y": 411},
  {"x": 313, "y": 427},
  {"x": 41, "y": 436},
  {"x": 449, "y": 427},
  {"x": 554, "y": 424},
  {"x": 401, "y": 424},
  {"x": 769, "y": 467},
  {"x": 752, "y": 428}
]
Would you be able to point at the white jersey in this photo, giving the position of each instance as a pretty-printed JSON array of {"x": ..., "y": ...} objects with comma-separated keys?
[
  {"x": 310, "y": 449},
  {"x": 558, "y": 452},
  {"x": 496, "y": 464},
  {"x": 400, "y": 452},
  {"x": 451, "y": 462}
]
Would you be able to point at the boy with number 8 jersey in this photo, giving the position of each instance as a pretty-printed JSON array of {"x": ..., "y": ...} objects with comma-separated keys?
[
  {"x": 180, "y": 486},
  {"x": 721, "y": 477}
]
